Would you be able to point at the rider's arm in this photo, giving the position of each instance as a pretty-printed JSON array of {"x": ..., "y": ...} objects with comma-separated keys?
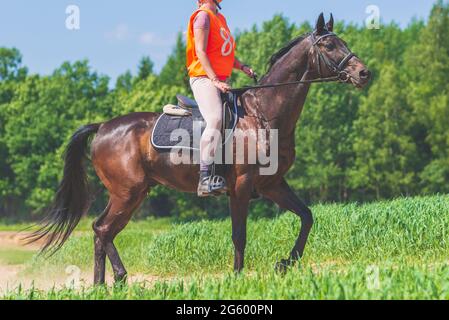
[
  {"x": 201, "y": 42},
  {"x": 243, "y": 67},
  {"x": 238, "y": 64}
]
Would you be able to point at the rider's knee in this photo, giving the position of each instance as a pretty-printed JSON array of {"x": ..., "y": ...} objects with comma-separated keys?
[{"x": 215, "y": 123}]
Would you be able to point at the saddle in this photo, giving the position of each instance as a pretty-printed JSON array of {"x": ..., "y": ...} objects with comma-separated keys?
[{"x": 187, "y": 116}]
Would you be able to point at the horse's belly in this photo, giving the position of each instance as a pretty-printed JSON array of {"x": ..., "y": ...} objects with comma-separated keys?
[
  {"x": 163, "y": 170},
  {"x": 181, "y": 180}
]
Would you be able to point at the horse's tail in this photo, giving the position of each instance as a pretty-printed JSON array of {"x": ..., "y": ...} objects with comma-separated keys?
[{"x": 72, "y": 199}]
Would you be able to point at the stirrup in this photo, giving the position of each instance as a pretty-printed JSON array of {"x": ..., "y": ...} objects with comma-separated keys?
[{"x": 212, "y": 186}]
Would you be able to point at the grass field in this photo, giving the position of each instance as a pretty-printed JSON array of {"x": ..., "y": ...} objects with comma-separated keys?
[{"x": 387, "y": 250}]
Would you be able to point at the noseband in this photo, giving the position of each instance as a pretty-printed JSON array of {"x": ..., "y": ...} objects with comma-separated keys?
[{"x": 337, "y": 69}]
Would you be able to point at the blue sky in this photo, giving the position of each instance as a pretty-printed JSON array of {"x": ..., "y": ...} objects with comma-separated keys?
[{"x": 115, "y": 34}]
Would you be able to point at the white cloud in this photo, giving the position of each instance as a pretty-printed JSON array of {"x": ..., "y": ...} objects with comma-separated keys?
[
  {"x": 148, "y": 38},
  {"x": 120, "y": 33}
]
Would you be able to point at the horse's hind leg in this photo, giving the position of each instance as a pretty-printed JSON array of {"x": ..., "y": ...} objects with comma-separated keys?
[
  {"x": 110, "y": 225},
  {"x": 100, "y": 253}
]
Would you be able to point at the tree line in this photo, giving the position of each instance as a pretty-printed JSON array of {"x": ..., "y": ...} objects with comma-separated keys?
[{"x": 390, "y": 139}]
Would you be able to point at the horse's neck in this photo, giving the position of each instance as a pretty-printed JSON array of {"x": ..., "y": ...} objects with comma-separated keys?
[{"x": 282, "y": 106}]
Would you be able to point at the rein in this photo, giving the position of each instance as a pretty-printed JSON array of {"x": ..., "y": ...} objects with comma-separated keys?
[
  {"x": 320, "y": 80},
  {"x": 341, "y": 75}
]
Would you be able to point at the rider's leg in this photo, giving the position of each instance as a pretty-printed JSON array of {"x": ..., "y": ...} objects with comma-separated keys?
[{"x": 209, "y": 101}]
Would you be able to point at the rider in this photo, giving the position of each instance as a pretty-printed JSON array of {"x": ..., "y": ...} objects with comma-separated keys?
[{"x": 210, "y": 61}]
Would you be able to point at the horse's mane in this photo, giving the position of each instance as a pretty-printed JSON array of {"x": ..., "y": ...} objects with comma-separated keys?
[{"x": 283, "y": 51}]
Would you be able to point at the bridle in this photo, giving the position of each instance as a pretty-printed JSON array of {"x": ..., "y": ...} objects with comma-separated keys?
[{"x": 337, "y": 69}]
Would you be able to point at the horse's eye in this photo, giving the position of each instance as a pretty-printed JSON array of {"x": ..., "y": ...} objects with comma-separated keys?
[{"x": 330, "y": 46}]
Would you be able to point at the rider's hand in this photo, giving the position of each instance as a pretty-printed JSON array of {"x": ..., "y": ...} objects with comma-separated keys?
[
  {"x": 248, "y": 71},
  {"x": 222, "y": 86}
]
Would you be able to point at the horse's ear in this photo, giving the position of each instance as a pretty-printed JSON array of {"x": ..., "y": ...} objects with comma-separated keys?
[
  {"x": 320, "y": 24},
  {"x": 330, "y": 24}
]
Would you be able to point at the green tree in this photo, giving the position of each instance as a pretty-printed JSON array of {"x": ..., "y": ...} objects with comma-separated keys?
[
  {"x": 384, "y": 148},
  {"x": 11, "y": 73},
  {"x": 174, "y": 72},
  {"x": 427, "y": 65},
  {"x": 11, "y": 65},
  {"x": 145, "y": 68},
  {"x": 43, "y": 114},
  {"x": 124, "y": 82},
  {"x": 148, "y": 95}
]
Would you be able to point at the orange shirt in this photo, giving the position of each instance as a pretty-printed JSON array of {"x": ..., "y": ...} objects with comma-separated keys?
[{"x": 220, "y": 48}]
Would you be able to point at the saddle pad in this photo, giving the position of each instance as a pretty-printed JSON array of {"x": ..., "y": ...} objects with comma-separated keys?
[
  {"x": 162, "y": 137},
  {"x": 166, "y": 124}
]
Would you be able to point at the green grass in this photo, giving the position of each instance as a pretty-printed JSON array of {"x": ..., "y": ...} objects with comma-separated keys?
[
  {"x": 403, "y": 282},
  {"x": 406, "y": 240},
  {"x": 15, "y": 257}
]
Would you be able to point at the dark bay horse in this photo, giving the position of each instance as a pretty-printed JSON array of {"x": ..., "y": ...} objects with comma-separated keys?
[{"x": 129, "y": 166}]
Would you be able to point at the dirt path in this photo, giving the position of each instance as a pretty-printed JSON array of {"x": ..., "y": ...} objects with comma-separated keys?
[
  {"x": 13, "y": 271},
  {"x": 15, "y": 240}
]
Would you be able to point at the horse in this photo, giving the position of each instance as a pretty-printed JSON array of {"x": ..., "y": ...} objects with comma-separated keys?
[{"x": 129, "y": 166}]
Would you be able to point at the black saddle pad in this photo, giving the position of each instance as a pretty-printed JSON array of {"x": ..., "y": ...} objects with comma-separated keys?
[{"x": 164, "y": 137}]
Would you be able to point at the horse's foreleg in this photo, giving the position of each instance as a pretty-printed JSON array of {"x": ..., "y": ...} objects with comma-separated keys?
[
  {"x": 239, "y": 204},
  {"x": 284, "y": 196},
  {"x": 239, "y": 214}
]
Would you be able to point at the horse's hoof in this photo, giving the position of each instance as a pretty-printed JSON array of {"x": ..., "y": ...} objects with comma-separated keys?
[
  {"x": 283, "y": 266},
  {"x": 121, "y": 280},
  {"x": 100, "y": 284}
]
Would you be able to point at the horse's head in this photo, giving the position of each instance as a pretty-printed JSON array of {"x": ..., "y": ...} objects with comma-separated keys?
[{"x": 331, "y": 57}]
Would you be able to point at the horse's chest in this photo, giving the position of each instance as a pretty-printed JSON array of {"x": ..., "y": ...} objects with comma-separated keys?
[
  {"x": 287, "y": 154},
  {"x": 286, "y": 161}
]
